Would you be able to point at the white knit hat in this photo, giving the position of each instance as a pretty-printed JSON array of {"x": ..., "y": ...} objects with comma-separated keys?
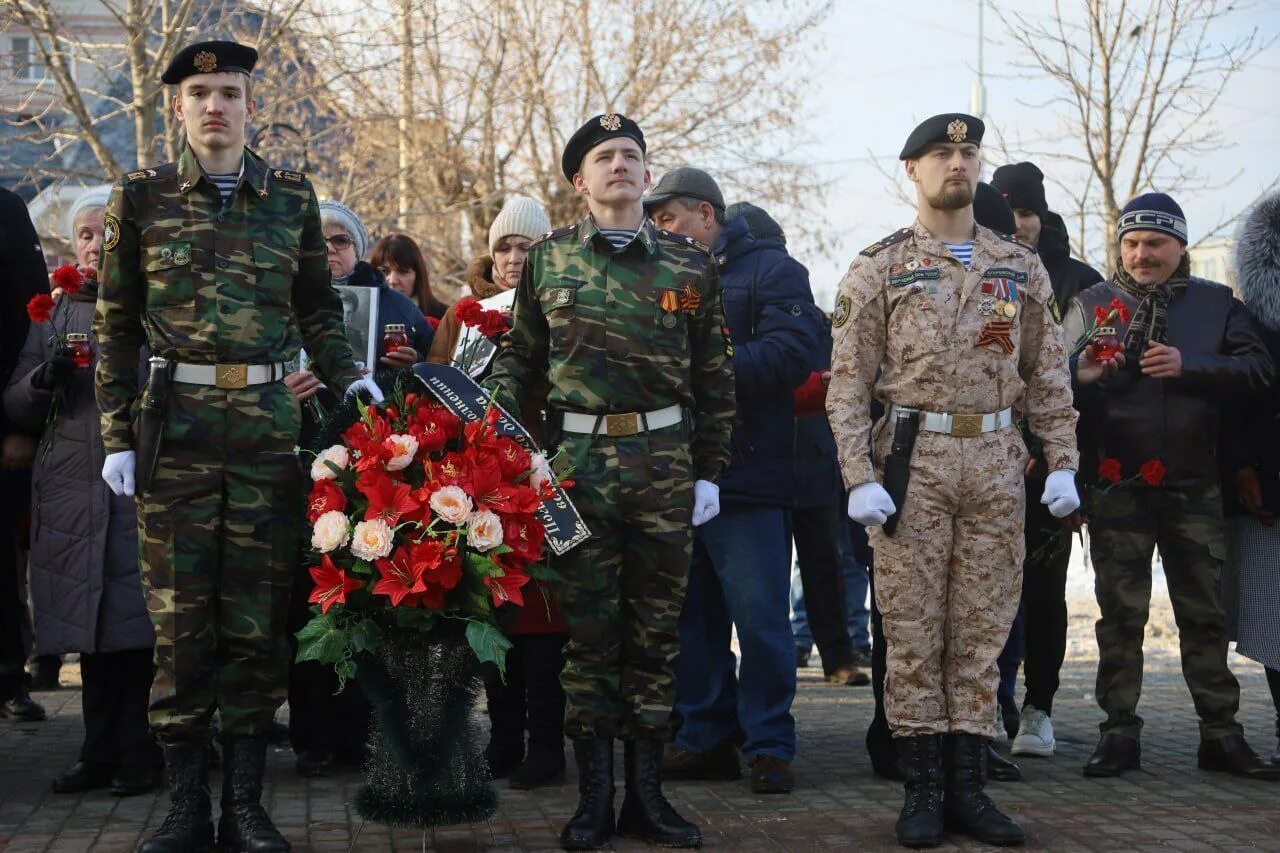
[
  {"x": 90, "y": 197},
  {"x": 520, "y": 216},
  {"x": 337, "y": 213}
]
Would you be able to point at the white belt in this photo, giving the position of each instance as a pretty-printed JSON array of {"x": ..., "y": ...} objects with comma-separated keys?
[
  {"x": 961, "y": 426},
  {"x": 629, "y": 423},
  {"x": 229, "y": 375}
]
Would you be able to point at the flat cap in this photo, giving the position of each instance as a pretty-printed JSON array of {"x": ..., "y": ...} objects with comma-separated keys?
[
  {"x": 598, "y": 129},
  {"x": 947, "y": 127},
  {"x": 686, "y": 182},
  {"x": 210, "y": 57}
]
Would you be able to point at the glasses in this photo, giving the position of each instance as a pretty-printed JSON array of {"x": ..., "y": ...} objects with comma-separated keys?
[{"x": 340, "y": 241}]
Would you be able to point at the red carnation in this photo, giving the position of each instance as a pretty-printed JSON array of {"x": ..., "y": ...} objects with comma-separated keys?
[
  {"x": 1152, "y": 472},
  {"x": 1120, "y": 310},
  {"x": 40, "y": 308},
  {"x": 326, "y": 496},
  {"x": 493, "y": 324},
  {"x": 1099, "y": 315},
  {"x": 1109, "y": 469},
  {"x": 468, "y": 312},
  {"x": 68, "y": 278},
  {"x": 332, "y": 584}
]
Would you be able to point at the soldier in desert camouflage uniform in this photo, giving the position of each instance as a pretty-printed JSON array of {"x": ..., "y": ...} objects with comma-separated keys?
[
  {"x": 958, "y": 332},
  {"x": 624, "y": 320},
  {"x": 217, "y": 263}
]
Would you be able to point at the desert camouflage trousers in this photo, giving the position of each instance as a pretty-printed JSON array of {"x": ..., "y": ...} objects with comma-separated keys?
[
  {"x": 218, "y": 536},
  {"x": 621, "y": 591},
  {"x": 949, "y": 579},
  {"x": 1128, "y": 523}
]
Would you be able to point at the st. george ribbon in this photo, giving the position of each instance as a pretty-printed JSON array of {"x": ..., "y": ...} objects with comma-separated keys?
[{"x": 565, "y": 528}]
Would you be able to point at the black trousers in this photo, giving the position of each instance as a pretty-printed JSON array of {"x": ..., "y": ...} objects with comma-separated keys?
[
  {"x": 1044, "y": 605},
  {"x": 115, "y": 695},
  {"x": 320, "y": 719},
  {"x": 15, "y": 619},
  {"x": 816, "y": 532},
  {"x": 532, "y": 699}
]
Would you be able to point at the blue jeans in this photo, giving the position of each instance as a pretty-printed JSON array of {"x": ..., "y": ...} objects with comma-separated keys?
[
  {"x": 739, "y": 577},
  {"x": 856, "y": 583}
]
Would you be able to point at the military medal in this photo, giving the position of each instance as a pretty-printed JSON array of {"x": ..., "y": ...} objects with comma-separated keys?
[
  {"x": 1010, "y": 310},
  {"x": 670, "y": 301},
  {"x": 987, "y": 306},
  {"x": 669, "y": 321}
]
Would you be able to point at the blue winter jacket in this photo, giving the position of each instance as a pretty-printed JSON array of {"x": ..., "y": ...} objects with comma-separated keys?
[
  {"x": 776, "y": 328},
  {"x": 393, "y": 307}
]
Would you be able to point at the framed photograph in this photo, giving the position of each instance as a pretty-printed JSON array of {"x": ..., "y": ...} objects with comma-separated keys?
[{"x": 360, "y": 318}]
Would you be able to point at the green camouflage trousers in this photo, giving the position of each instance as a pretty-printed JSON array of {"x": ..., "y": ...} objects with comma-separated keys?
[
  {"x": 218, "y": 538},
  {"x": 621, "y": 591},
  {"x": 1186, "y": 524}
]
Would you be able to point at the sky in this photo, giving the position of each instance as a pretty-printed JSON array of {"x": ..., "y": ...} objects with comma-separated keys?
[{"x": 880, "y": 67}]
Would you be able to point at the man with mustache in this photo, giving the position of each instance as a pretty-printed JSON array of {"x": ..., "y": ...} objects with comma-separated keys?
[
  {"x": 948, "y": 324},
  {"x": 622, "y": 321},
  {"x": 217, "y": 263},
  {"x": 1189, "y": 347}
]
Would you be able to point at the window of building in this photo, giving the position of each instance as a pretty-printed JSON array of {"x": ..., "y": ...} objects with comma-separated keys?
[{"x": 25, "y": 62}]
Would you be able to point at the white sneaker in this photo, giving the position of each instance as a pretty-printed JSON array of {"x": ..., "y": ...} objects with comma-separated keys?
[{"x": 1035, "y": 734}]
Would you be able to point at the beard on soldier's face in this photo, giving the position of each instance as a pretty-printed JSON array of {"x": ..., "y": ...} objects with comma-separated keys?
[{"x": 951, "y": 196}]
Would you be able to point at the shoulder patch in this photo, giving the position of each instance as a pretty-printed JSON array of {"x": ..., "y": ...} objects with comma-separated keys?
[
  {"x": 877, "y": 247},
  {"x": 287, "y": 177},
  {"x": 1055, "y": 310},
  {"x": 840, "y": 315},
  {"x": 1009, "y": 238},
  {"x": 554, "y": 234},
  {"x": 139, "y": 175},
  {"x": 110, "y": 232}
]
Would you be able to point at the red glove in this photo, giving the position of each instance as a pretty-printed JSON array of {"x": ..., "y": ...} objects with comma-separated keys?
[{"x": 811, "y": 397}]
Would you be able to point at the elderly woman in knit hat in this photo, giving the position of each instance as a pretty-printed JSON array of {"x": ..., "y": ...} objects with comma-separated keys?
[
  {"x": 493, "y": 277},
  {"x": 347, "y": 242},
  {"x": 84, "y": 578}
]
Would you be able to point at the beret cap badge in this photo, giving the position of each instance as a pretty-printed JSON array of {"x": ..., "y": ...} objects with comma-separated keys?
[
  {"x": 957, "y": 131},
  {"x": 610, "y": 122},
  {"x": 205, "y": 61}
]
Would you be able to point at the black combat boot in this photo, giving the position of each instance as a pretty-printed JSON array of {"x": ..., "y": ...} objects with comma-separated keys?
[
  {"x": 244, "y": 826},
  {"x": 188, "y": 828},
  {"x": 920, "y": 760},
  {"x": 645, "y": 812},
  {"x": 967, "y": 808},
  {"x": 591, "y": 826}
]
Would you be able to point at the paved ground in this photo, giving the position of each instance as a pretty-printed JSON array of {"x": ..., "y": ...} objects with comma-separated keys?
[{"x": 837, "y": 803}]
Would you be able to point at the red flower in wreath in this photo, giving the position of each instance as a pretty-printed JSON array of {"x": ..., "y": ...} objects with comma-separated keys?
[
  {"x": 1109, "y": 469},
  {"x": 388, "y": 499},
  {"x": 507, "y": 588},
  {"x": 523, "y": 534},
  {"x": 326, "y": 496},
  {"x": 401, "y": 576},
  {"x": 332, "y": 584},
  {"x": 40, "y": 308},
  {"x": 1152, "y": 472}
]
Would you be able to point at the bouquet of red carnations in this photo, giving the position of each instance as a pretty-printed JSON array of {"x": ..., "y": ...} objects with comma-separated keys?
[{"x": 417, "y": 518}]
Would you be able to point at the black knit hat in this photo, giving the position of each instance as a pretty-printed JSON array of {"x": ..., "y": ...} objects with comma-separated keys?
[
  {"x": 762, "y": 225},
  {"x": 1153, "y": 212},
  {"x": 1022, "y": 185},
  {"x": 990, "y": 210}
]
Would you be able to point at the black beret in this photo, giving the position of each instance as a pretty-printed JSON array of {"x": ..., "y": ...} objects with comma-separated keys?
[
  {"x": 948, "y": 127},
  {"x": 990, "y": 210},
  {"x": 210, "y": 57},
  {"x": 597, "y": 129}
]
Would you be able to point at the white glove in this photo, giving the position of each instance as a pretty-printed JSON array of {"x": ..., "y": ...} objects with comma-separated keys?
[
  {"x": 117, "y": 471},
  {"x": 365, "y": 384},
  {"x": 870, "y": 505},
  {"x": 706, "y": 502},
  {"x": 1060, "y": 493}
]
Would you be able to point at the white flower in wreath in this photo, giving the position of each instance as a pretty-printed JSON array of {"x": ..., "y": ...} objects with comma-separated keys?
[
  {"x": 540, "y": 473},
  {"x": 330, "y": 531},
  {"x": 337, "y": 454},
  {"x": 372, "y": 539},
  {"x": 484, "y": 530},
  {"x": 452, "y": 504},
  {"x": 405, "y": 447}
]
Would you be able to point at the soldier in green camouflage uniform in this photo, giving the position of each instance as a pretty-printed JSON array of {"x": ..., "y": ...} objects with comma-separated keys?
[
  {"x": 228, "y": 283},
  {"x": 624, "y": 321}
]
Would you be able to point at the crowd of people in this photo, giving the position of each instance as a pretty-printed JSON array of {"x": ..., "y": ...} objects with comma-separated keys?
[{"x": 925, "y": 449}]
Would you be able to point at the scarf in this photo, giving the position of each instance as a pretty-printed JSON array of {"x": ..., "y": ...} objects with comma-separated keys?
[{"x": 1150, "y": 320}]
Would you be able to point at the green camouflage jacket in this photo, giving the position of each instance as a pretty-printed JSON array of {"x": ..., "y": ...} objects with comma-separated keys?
[
  {"x": 634, "y": 330},
  {"x": 201, "y": 283}
]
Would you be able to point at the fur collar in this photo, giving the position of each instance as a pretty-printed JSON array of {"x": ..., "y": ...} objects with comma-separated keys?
[
  {"x": 480, "y": 278},
  {"x": 1258, "y": 261}
]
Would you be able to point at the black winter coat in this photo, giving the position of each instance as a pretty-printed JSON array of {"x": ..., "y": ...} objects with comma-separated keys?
[
  {"x": 23, "y": 274},
  {"x": 84, "y": 577},
  {"x": 1067, "y": 275}
]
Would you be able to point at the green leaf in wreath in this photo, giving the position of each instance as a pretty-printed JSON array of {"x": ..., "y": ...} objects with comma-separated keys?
[
  {"x": 489, "y": 644},
  {"x": 321, "y": 639},
  {"x": 365, "y": 635}
]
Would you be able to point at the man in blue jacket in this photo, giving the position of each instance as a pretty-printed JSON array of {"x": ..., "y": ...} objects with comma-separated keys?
[{"x": 741, "y": 571}]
